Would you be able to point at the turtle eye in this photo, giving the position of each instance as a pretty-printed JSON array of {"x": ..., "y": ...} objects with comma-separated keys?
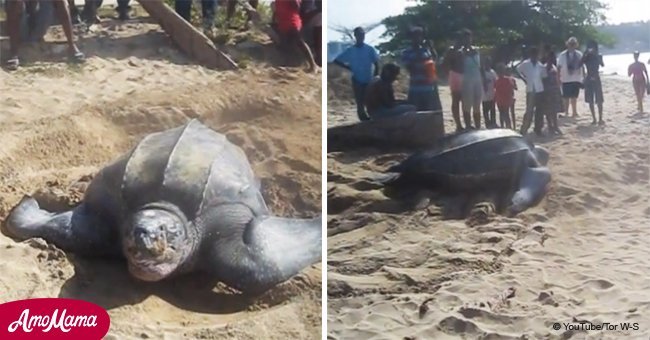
[{"x": 161, "y": 227}]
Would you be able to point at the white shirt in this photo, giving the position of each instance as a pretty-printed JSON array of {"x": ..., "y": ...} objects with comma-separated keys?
[
  {"x": 563, "y": 65},
  {"x": 490, "y": 78},
  {"x": 533, "y": 75}
]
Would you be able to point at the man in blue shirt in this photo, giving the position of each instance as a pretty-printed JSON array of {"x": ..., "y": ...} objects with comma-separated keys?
[
  {"x": 359, "y": 59},
  {"x": 419, "y": 60}
]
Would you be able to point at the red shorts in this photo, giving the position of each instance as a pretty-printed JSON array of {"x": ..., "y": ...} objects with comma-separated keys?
[{"x": 287, "y": 16}]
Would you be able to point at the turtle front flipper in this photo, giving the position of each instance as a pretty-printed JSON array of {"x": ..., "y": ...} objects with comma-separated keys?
[
  {"x": 532, "y": 188},
  {"x": 254, "y": 254},
  {"x": 78, "y": 230}
]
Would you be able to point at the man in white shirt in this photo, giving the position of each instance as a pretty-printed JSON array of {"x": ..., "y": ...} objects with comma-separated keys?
[
  {"x": 532, "y": 72},
  {"x": 571, "y": 75}
]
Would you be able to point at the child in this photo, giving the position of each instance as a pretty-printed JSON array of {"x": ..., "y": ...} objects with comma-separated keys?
[
  {"x": 489, "y": 77},
  {"x": 637, "y": 70},
  {"x": 551, "y": 103},
  {"x": 504, "y": 90}
]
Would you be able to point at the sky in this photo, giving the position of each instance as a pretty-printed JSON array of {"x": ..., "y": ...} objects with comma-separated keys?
[{"x": 352, "y": 13}]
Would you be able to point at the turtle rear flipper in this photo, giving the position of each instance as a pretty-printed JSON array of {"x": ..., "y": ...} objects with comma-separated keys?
[{"x": 254, "y": 254}]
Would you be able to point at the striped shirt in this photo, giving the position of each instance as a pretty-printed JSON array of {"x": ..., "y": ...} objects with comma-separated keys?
[{"x": 422, "y": 68}]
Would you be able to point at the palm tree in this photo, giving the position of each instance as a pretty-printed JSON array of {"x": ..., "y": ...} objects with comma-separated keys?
[{"x": 348, "y": 32}]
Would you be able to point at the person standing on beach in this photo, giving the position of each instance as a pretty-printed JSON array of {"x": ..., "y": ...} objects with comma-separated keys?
[
  {"x": 551, "y": 103},
  {"x": 311, "y": 14},
  {"x": 640, "y": 79},
  {"x": 249, "y": 6},
  {"x": 420, "y": 61},
  {"x": 380, "y": 96},
  {"x": 453, "y": 62},
  {"x": 472, "y": 89},
  {"x": 593, "y": 87},
  {"x": 289, "y": 26},
  {"x": 89, "y": 13},
  {"x": 359, "y": 59},
  {"x": 14, "y": 10},
  {"x": 532, "y": 72},
  {"x": 489, "y": 78},
  {"x": 208, "y": 10},
  {"x": 571, "y": 75},
  {"x": 504, "y": 87}
]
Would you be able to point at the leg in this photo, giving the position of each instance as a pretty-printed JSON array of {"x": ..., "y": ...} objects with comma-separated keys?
[
  {"x": 78, "y": 231},
  {"x": 249, "y": 15},
  {"x": 61, "y": 7},
  {"x": 512, "y": 112},
  {"x": 505, "y": 117},
  {"x": 14, "y": 10},
  {"x": 477, "y": 92},
  {"x": 254, "y": 254},
  {"x": 436, "y": 105},
  {"x": 532, "y": 188},
  {"x": 486, "y": 115},
  {"x": 589, "y": 99},
  {"x": 566, "y": 87},
  {"x": 75, "y": 17},
  {"x": 89, "y": 13},
  {"x": 208, "y": 9},
  {"x": 574, "y": 106},
  {"x": 539, "y": 115},
  {"x": 230, "y": 10},
  {"x": 599, "y": 101},
  {"x": 304, "y": 48},
  {"x": 528, "y": 116},
  {"x": 467, "y": 102},
  {"x": 318, "y": 41},
  {"x": 30, "y": 11},
  {"x": 184, "y": 9},
  {"x": 556, "y": 124},
  {"x": 455, "y": 109},
  {"x": 493, "y": 114},
  {"x": 123, "y": 9},
  {"x": 359, "y": 91}
]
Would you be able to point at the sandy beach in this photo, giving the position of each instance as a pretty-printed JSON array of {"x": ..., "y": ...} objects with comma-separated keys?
[
  {"x": 60, "y": 123},
  {"x": 453, "y": 269}
]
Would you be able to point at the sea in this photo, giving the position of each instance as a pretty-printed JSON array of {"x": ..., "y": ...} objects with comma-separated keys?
[{"x": 617, "y": 64}]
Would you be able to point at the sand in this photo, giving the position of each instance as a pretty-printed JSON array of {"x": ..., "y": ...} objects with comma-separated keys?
[
  {"x": 61, "y": 123},
  {"x": 454, "y": 269}
]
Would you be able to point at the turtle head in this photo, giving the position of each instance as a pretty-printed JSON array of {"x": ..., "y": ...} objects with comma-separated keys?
[
  {"x": 541, "y": 155},
  {"x": 155, "y": 242}
]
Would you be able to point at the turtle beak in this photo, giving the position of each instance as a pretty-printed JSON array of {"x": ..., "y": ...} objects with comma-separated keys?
[{"x": 149, "y": 242}]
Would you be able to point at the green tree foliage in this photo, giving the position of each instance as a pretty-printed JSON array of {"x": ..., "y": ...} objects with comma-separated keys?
[{"x": 500, "y": 26}]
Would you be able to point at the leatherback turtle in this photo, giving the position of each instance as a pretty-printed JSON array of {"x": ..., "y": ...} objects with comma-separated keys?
[
  {"x": 479, "y": 159},
  {"x": 181, "y": 200}
]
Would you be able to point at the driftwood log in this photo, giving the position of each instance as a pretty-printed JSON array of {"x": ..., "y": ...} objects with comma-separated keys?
[
  {"x": 190, "y": 40},
  {"x": 410, "y": 131}
]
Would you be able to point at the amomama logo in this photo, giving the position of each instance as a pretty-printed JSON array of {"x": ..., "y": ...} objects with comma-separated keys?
[{"x": 53, "y": 318}]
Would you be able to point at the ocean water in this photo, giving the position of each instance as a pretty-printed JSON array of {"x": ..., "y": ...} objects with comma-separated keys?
[{"x": 618, "y": 63}]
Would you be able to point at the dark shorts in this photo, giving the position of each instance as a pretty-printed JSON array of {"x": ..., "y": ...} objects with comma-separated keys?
[
  {"x": 593, "y": 91},
  {"x": 571, "y": 90}
]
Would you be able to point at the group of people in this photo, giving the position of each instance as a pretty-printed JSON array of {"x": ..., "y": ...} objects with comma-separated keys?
[
  {"x": 288, "y": 19},
  {"x": 375, "y": 97},
  {"x": 479, "y": 88}
]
